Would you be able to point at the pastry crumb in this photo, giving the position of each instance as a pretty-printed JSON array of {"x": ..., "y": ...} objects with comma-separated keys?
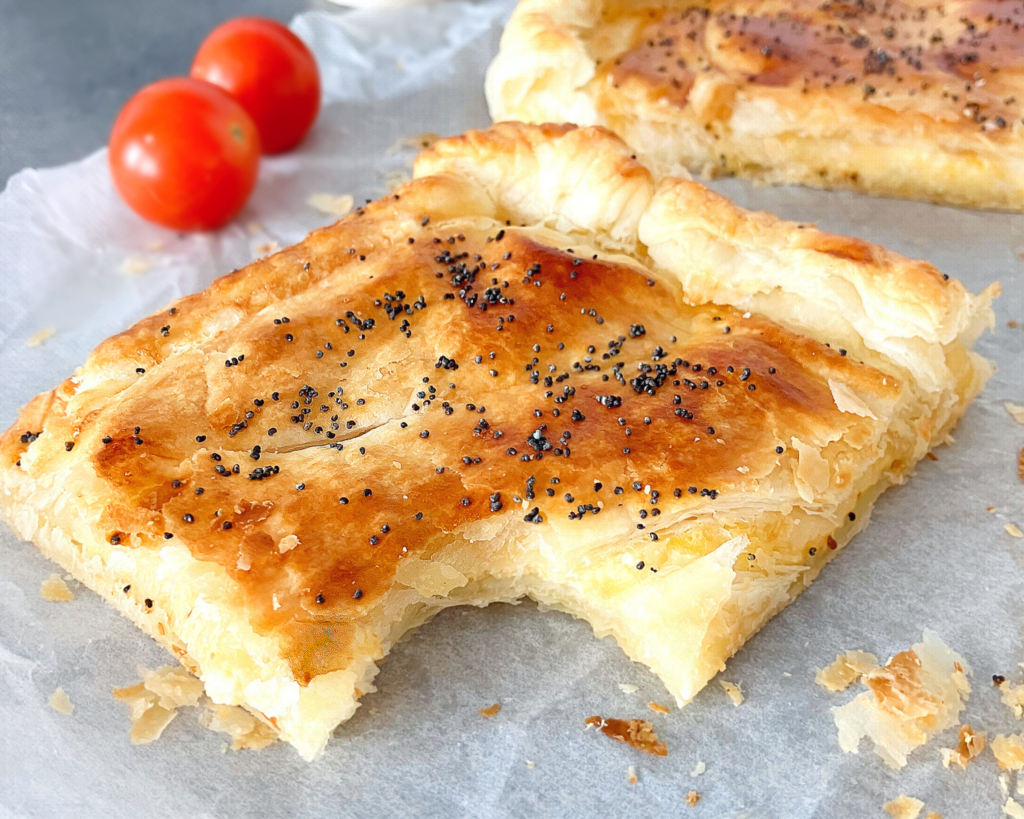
[
  {"x": 969, "y": 746},
  {"x": 55, "y": 590},
  {"x": 331, "y": 204},
  {"x": 1015, "y": 411},
  {"x": 932, "y": 815},
  {"x": 254, "y": 228},
  {"x": 266, "y": 248},
  {"x": 637, "y": 733},
  {"x": 530, "y": 764},
  {"x": 631, "y": 775},
  {"x": 919, "y": 693},
  {"x": 904, "y": 807},
  {"x": 136, "y": 265},
  {"x": 60, "y": 702},
  {"x": 692, "y": 798},
  {"x": 395, "y": 179},
  {"x": 657, "y": 708},
  {"x": 733, "y": 690},
  {"x": 153, "y": 703},
  {"x": 699, "y": 769},
  {"x": 627, "y": 688},
  {"x": 416, "y": 142},
  {"x": 845, "y": 670},
  {"x": 39, "y": 338},
  {"x": 1013, "y": 530},
  {"x": 247, "y": 733},
  {"x": 1009, "y": 751},
  {"x": 286, "y": 544},
  {"x": 490, "y": 711},
  {"x": 1013, "y": 809},
  {"x": 1013, "y": 697}
]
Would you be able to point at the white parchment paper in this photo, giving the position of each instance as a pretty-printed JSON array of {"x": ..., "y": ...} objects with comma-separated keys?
[{"x": 933, "y": 556}]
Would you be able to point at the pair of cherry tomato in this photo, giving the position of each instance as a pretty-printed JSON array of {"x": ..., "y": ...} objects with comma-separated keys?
[{"x": 185, "y": 152}]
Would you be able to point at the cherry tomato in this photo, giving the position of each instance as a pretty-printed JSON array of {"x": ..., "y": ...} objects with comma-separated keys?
[
  {"x": 184, "y": 154},
  {"x": 269, "y": 71}
]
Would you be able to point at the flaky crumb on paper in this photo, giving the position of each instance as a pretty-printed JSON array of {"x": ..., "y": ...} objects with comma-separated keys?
[
  {"x": 692, "y": 798},
  {"x": 1013, "y": 697},
  {"x": 733, "y": 690},
  {"x": 919, "y": 693},
  {"x": 658, "y": 708},
  {"x": 1013, "y": 809},
  {"x": 395, "y": 179},
  {"x": 698, "y": 770},
  {"x": 1013, "y": 530},
  {"x": 490, "y": 711},
  {"x": 332, "y": 204},
  {"x": 39, "y": 338},
  {"x": 247, "y": 733},
  {"x": 631, "y": 775},
  {"x": 416, "y": 142},
  {"x": 61, "y": 703},
  {"x": 637, "y": 733},
  {"x": 970, "y": 744},
  {"x": 266, "y": 248},
  {"x": 172, "y": 685},
  {"x": 153, "y": 703},
  {"x": 904, "y": 807},
  {"x": 1015, "y": 411},
  {"x": 1009, "y": 751},
  {"x": 845, "y": 670},
  {"x": 628, "y": 688},
  {"x": 136, "y": 265},
  {"x": 55, "y": 590}
]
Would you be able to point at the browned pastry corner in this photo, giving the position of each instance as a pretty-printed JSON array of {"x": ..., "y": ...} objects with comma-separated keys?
[
  {"x": 537, "y": 369},
  {"x": 919, "y": 99}
]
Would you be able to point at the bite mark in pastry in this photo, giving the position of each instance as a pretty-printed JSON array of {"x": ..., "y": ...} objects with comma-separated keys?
[
  {"x": 919, "y": 99},
  {"x": 538, "y": 369}
]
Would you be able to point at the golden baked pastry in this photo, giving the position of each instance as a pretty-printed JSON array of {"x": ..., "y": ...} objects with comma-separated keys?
[
  {"x": 537, "y": 369},
  {"x": 920, "y": 99}
]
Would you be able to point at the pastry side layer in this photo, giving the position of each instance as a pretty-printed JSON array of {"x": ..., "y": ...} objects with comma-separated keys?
[
  {"x": 920, "y": 100},
  {"x": 538, "y": 369}
]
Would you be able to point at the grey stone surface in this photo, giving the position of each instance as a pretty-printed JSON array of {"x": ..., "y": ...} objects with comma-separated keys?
[{"x": 66, "y": 68}]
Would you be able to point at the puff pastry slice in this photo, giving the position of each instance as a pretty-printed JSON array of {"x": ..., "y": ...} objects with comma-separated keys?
[
  {"x": 918, "y": 99},
  {"x": 537, "y": 369}
]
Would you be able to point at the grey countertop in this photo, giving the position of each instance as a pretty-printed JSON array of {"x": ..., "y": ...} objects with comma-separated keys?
[{"x": 66, "y": 68}]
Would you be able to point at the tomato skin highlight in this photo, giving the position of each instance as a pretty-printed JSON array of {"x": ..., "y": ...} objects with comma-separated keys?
[
  {"x": 184, "y": 154},
  {"x": 271, "y": 73}
]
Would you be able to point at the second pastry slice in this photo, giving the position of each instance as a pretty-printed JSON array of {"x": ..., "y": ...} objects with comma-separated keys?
[{"x": 919, "y": 99}]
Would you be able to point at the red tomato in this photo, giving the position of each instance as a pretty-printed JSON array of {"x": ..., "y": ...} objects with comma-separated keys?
[
  {"x": 269, "y": 71},
  {"x": 184, "y": 154}
]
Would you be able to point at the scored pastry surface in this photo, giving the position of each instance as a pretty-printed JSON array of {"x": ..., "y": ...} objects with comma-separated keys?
[
  {"x": 538, "y": 369},
  {"x": 919, "y": 99}
]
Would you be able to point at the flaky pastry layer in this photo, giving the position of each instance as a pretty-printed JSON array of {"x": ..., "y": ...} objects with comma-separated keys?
[{"x": 538, "y": 369}]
